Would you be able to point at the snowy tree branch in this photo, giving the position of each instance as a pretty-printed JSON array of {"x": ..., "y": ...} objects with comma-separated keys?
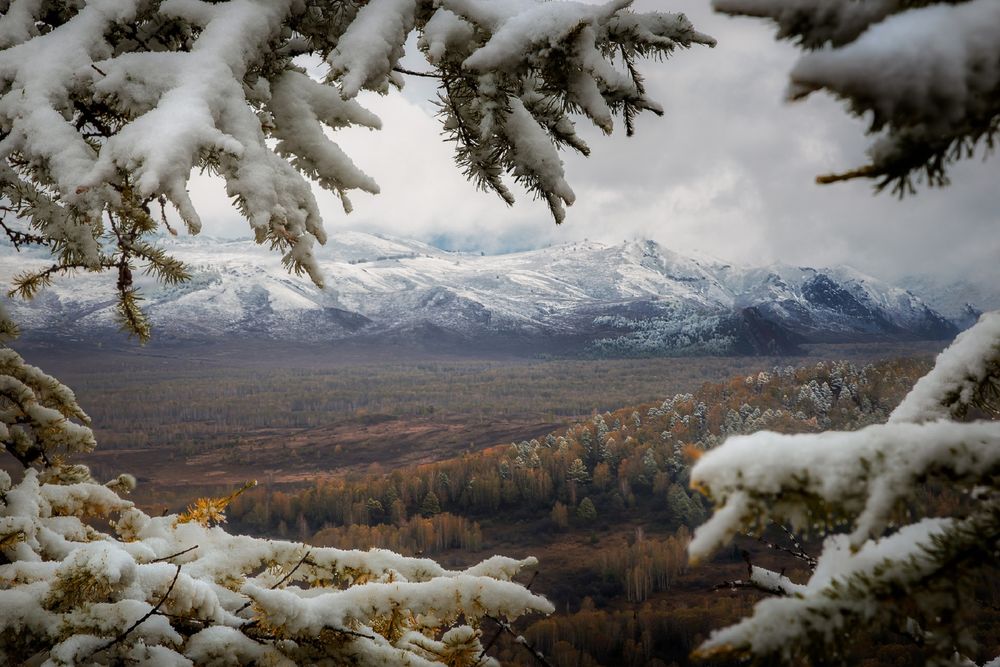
[
  {"x": 108, "y": 108},
  {"x": 145, "y": 617},
  {"x": 923, "y": 74},
  {"x": 874, "y": 575}
]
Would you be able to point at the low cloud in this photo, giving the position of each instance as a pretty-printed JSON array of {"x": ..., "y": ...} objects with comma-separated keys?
[{"x": 728, "y": 171}]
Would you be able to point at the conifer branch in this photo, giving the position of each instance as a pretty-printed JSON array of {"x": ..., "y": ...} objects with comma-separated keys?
[
  {"x": 501, "y": 625},
  {"x": 410, "y": 72},
  {"x": 18, "y": 238},
  {"x": 796, "y": 551},
  {"x": 145, "y": 617},
  {"x": 279, "y": 582},
  {"x": 173, "y": 555}
]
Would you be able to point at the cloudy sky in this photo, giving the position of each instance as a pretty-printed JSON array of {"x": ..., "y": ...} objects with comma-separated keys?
[{"x": 727, "y": 171}]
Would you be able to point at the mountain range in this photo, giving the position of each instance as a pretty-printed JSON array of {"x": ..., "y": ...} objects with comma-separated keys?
[{"x": 630, "y": 299}]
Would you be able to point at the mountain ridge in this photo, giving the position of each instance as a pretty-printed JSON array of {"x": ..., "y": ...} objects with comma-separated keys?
[{"x": 634, "y": 298}]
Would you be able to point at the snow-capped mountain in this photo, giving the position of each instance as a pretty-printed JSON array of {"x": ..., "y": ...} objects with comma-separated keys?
[
  {"x": 961, "y": 301},
  {"x": 632, "y": 298}
]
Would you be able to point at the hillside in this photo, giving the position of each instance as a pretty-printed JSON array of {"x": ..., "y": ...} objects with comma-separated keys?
[{"x": 606, "y": 507}]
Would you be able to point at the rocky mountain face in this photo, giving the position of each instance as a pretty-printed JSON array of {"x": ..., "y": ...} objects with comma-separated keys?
[{"x": 635, "y": 298}]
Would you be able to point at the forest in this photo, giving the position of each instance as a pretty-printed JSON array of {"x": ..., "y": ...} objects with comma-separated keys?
[
  {"x": 641, "y": 527},
  {"x": 605, "y": 505}
]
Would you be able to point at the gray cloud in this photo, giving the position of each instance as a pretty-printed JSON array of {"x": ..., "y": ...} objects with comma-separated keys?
[{"x": 728, "y": 171}]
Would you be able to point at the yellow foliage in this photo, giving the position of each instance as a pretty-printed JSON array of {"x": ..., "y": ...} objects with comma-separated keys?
[
  {"x": 207, "y": 511},
  {"x": 8, "y": 541}
]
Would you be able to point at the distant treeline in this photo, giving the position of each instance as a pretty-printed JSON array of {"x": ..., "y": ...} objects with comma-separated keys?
[
  {"x": 603, "y": 467},
  {"x": 145, "y": 404}
]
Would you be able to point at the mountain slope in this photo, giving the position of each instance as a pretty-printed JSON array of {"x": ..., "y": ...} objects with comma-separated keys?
[{"x": 636, "y": 298}]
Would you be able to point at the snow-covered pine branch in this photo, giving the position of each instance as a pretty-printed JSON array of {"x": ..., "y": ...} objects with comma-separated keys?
[
  {"x": 871, "y": 575},
  {"x": 925, "y": 74},
  {"x": 39, "y": 417},
  {"x": 174, "y": 590},
  {"x": 106, "y": 107}
]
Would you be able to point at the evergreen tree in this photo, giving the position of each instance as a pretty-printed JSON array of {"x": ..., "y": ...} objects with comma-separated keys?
[
  {"x": 106, "y": 107},
  {"x": 586, "y": 510},
  {"x": 926, "y": 75},
  {"x": 649, "y": 465},
  {"x": 602, "y": 429},
  {"x": 578, "y": 472},
  {"x": 431, "y": 505}
]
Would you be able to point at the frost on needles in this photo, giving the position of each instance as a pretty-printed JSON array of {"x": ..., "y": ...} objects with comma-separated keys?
[
  {"x": 873, "y": 573},
  {"x": 106, "y": 107}
]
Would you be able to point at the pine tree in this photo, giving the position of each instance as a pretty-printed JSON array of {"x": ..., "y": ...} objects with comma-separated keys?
[
  {"x": 578, "y": 472},
  {"x": 106, "y": 107},
  {"x": 586, "y": 510},
  {"x": 431, "y": 505}
]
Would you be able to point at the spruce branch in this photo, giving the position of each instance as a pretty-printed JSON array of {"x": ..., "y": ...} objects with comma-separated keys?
[
  {"x": 278, "y": 583},
  {"x": 145, "y": 617}
]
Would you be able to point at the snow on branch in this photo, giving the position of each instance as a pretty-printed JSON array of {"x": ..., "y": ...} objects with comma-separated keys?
[
  {"x": 176, "y": 589},
  {"x": 870, "y": 573},
  {"x": 39, "y": 417},
  {"x": 75, "y": 591},
  {"x": 966, "y": 374},
  {"x": 810, "y": 477},
  {"x": 925, "y": 75},
  {"x": 814, "y": 23},
  {"x": 106, "y": 108},
  {"x": 372, "y": 46},
  {"x": 877, "y": 586}
]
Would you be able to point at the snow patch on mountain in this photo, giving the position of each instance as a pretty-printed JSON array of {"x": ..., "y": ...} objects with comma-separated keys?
[{"x": 631, "y": 298}]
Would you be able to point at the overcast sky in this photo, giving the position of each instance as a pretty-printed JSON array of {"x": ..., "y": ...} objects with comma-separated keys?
[{"x": 727, "y": 171}]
